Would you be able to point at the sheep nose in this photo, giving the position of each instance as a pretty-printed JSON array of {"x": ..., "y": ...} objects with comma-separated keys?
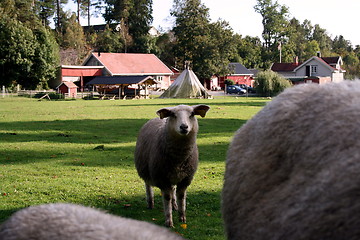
[{"x": 184, "y": 128}]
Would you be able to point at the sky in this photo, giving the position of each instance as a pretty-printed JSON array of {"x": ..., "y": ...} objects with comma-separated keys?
[{"x": 337, "y": 17}]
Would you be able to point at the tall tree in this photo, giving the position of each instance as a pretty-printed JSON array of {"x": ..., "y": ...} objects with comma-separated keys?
[
  {"x": 89, "y": 8},
  {"x": 135, "y": 18},
  {"x": 28, "y": 56},
  {"x": 209, "y": 46},
  {"x": 59, "y": 13},
  {"x": 249, "y": 51},
  {"x": 45, "y": 9},
  {"x": 274, "y": 21},
  {"x": 320, "y": 35}
]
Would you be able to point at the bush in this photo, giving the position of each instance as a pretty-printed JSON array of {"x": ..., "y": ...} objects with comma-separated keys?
[
  {"x": 269, "y": 83},
  {"x": 229, "y": 82}
]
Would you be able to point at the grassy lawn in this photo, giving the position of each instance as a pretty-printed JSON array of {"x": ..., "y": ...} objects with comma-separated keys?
[{"x": 82, "y": 152}]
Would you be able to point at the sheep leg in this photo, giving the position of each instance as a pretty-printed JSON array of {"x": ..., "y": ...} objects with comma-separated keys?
[
  {"x": 173, "y": 200},
  {"x": 181, "y": 197},
  {"x": 167, "y": 201},
  {"x": 149, "y": 196}
]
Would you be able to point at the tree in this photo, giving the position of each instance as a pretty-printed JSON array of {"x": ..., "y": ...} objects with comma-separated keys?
[
  {"x": 341, "y": 46},
  {"x": 59, "y": 13},
  {"x": 73, "y": 36},
  {"x": 28, "y": 57},
  {"x": 164, "y": 48},
  {"x": 45, "y": 9},
  {"x": 209, "y": 46},
  {"x": 135, "y": 18},
  {"x": 109, "y": 41},
  {"x": 269, "y": 83},
  {"x": 89, "y": 8},
  {"x": 274, "y": 22},
  {"x": 320, "y": 35},
  {"x": 249, "y": 51}
]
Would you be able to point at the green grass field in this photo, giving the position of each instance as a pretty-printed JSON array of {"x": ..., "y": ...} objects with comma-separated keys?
[{"x": 82, "y": 152}]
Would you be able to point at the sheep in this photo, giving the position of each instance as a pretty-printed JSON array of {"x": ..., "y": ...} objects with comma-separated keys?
[
  {"x": 293, "y": 170},
  {"x": 69, "y": 221},
  {"x": 166, "y": 156}
]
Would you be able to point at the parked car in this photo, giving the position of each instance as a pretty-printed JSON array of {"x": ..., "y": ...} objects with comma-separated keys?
[
  {"x": 248, "y": 88},
  {"x": 235, "y": 89}
]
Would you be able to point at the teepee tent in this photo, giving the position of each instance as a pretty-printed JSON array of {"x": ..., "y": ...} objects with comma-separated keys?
[{"x": 186, "y": 85}]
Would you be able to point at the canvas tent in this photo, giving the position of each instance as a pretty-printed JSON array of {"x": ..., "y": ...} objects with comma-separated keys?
[{"x": 186, "y": 85}]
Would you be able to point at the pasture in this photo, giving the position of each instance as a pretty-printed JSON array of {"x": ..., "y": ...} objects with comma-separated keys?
[{"x": 82, "y": 152}]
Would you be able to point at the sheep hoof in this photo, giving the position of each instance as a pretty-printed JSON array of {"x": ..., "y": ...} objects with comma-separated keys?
[
  {"x": 182, "y": 219},
  {"x": 169, "y": 224}
]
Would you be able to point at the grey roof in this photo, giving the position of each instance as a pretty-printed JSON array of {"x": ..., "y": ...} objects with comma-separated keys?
[
  {"x": 119, "y": 80},
  {"x": 239, "y": 69}
]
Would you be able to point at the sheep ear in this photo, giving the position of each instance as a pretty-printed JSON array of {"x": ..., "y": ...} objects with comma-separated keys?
[
  {"x": 164, "y": 113},
  {"x": 201, "y": 110}
]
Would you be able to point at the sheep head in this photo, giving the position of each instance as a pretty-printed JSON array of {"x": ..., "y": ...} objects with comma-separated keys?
[{"x": 181, "y": 119}]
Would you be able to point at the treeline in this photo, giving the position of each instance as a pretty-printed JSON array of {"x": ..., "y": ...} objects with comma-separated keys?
[{"x": 30, "y": 51}]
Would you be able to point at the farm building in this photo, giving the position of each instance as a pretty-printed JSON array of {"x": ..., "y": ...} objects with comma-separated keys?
[
  {"x": 117, "y": 65},
  {"x": 69, "y": 89},
  {"x": 316, "y": 69},
  {"x": 122, "y": 86},
  {"x": 239, "y": 74}
]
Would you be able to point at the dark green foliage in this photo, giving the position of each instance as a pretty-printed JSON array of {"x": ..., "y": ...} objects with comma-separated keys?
[
  {"x": 209, "y": 46},
  {"x": 135, "y": 17},
  {"x": 109, "y": 41},
  {"x": 27, "y": 57},
  {"x": 229, "y": 82}
]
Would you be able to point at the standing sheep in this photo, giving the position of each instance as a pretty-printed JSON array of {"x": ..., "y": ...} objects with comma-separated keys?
[
  {"x": 166, "y": 156},
  {"x": 68, "y": 221},
  {"x": 293, "y": 170}
]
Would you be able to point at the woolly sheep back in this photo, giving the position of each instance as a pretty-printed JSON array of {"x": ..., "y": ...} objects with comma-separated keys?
[
  {"x": 69, "y": 221},
  {"x": 293, "y": 170}
]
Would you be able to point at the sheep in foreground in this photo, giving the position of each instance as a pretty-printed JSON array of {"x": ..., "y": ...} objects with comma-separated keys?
[
  {"x": 293, "y": 170},
  {"x": 166, "y": 156},
  {"x": 68, "y": 221}
]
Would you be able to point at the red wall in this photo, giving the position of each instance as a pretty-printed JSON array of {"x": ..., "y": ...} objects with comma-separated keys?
[
  {"x": 65, "y": 90},
  {"x": 77, "y": 72},
  {"x": 237, "y": 79}
]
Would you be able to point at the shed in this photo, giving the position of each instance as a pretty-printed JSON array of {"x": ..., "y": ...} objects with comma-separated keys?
[
  {"x": 119, "y": 85},
  {"x": 68, "y": 88}
]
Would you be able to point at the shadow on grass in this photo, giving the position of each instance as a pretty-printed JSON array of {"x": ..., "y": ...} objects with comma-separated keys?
[
  {"x": 97, "y": 131},
  {"x": 74, "y": 142},
  {"x": 174, "y": 102}
]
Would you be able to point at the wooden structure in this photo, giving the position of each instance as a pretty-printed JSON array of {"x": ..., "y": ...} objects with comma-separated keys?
[
  {"x": 78, "y": 73},
  {"x": 69, "y": 89},
  {"x": 122, "y": 86}
]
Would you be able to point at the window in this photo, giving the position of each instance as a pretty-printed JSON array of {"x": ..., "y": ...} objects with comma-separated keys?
[
  {"x": 313, "y": 70},
  {"x": 159, "y": 78}
]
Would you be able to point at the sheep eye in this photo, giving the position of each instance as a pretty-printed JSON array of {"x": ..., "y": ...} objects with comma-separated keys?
[{"x": 192, "y": 114}]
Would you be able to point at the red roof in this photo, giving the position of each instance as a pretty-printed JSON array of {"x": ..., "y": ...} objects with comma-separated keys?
[
  {"x": 69, "y": 84},
  {"x": 331, "y": 60},
  {"x": 284, "y": 67},
  {"x": 132, "y": 63}
]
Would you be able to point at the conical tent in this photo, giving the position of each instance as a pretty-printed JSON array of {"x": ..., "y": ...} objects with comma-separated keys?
[{"x": 186, "y": 85}]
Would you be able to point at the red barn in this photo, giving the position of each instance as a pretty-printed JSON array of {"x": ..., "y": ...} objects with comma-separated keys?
[{"x": 239, "y": 74}]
